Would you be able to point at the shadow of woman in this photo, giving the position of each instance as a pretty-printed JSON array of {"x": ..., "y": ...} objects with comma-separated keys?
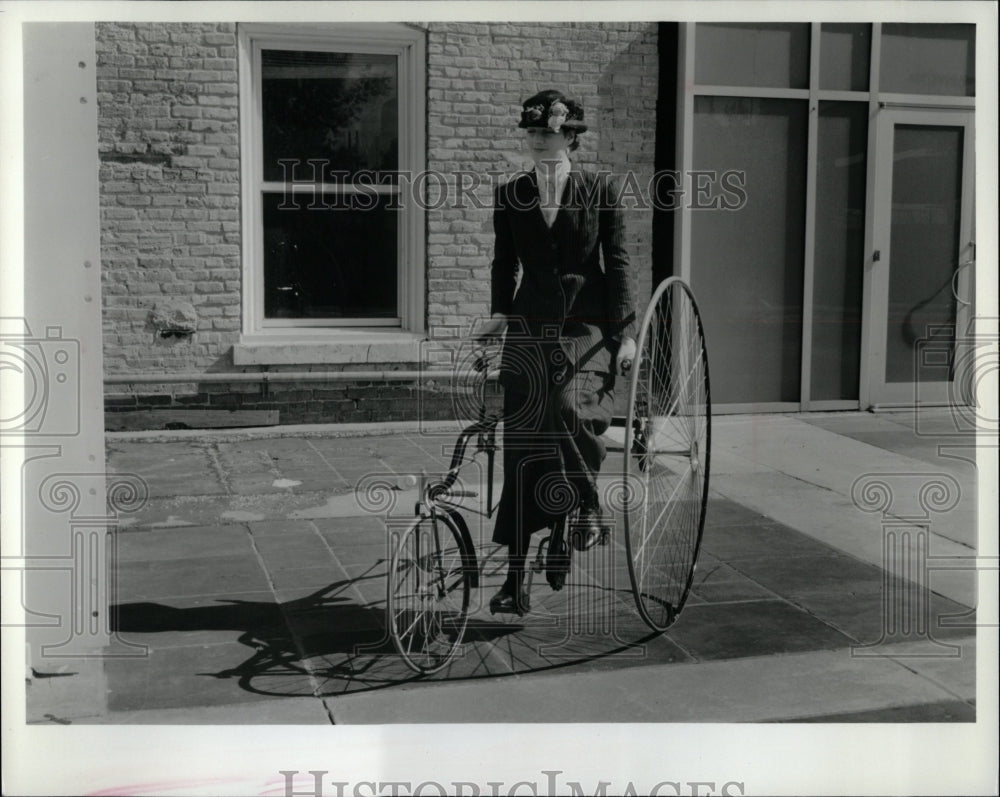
[
  {"x": 298, "y": 645},
  {"x": 322, "y": 644},
  {"x": 328, "y": 643}
]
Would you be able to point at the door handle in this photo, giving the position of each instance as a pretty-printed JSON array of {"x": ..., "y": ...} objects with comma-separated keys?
[{"x": 954, "y": 280}]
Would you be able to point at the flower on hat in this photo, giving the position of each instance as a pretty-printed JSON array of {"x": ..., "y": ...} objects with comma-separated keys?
[
  {"x": 557, "y": 115},
  {"x": 534, "y": 113}
]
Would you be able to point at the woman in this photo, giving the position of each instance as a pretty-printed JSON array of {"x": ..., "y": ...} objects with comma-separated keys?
[{"x": 569, "y": 329}]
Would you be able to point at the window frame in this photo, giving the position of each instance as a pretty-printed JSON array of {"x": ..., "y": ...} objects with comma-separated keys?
[{"x": 408, "y": 45}]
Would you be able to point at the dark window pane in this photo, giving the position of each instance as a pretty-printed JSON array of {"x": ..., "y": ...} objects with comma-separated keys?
[
  {"x": 340, "y": 108},
  {"x": 329, "y": 263},
  {"x": 841, "y": 169},
  {"x": 923, "y": 245},
  {"x": 928, "y": 59},
  {"x": 747, "y": 264},
  {"x": 844, "y": 56},
  {"x": 742, "y": 54}
]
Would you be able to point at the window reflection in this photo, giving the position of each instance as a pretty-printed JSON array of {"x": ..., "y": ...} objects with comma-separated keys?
[{"x": 336, "y": 107}]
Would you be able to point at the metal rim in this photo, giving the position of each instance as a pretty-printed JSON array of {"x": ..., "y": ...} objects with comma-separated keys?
[
  {"x": 666, "y": 486},
  {"x": 428, "y": 597}
]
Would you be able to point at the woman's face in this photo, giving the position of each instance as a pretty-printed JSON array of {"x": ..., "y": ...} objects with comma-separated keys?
[{"x": 545, "y": 144}]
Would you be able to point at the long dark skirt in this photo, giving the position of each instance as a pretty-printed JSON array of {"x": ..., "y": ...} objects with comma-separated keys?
[{"x": 552, "y": 454}]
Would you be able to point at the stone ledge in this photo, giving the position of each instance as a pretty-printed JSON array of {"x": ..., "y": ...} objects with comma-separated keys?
[{"x": 348, "y": 347}]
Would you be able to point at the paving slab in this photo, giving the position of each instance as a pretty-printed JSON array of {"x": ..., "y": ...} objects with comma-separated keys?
[
  {"x": 159, "y": 545},
  {"x": 169, "y": 469},
  {"x": 279, "y": 526},
  {"x": 217, "y": 575},
  {"x": 361, "y": 528},
  {"x": 297, "y": 543},
  {"x": 206, "y": 510},
  {"x": 265, "y": 711},
  {"x": 932, "y": 421},
  {"x": 943, "y": 711},
  {"x": 752, "y": 628},
  {"x": 64, "y": 691},
  {"x": 711, "y": 590},
  {"x": 181, "y": 677},
  {"x": 306, "y": 553},
  {"x": 869, "y": 617},
  {"x": 834, "y": 520},
  {"x": 791, "y": 446},
  {"x": 355, "y": 556},
  {"x": 798, "y": 576},
  {"x": 741, "y": 690},
  {"x": 298, "y": 578},
  {"x": 720, "y": 511},
  {"x": 762, "y": 540}
]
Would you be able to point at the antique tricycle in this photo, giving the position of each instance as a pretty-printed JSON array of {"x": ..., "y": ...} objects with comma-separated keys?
[{"x": 664, "y": 468}]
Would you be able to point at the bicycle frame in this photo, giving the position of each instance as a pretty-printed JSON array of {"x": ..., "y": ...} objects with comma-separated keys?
[{"x": 437, "y": 492}]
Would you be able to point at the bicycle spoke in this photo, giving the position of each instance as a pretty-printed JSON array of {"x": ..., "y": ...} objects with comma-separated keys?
[
  {"x": 672, "y": 507},
  {"x": 429, "y": 600},
  {"x": 669, "y": 398}
]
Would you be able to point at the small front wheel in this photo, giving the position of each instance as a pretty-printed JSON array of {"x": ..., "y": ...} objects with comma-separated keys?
[{"x": 428, "y": 593}]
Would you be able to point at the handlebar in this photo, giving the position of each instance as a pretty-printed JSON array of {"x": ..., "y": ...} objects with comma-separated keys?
[{"x": 484, "y": 358}]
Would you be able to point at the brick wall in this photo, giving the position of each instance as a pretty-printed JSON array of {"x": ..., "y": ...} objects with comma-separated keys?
[
  {"x": 168, "y": 136},
  {"x": 303, "y": 402},
  {"x": 170, "y": 193}
]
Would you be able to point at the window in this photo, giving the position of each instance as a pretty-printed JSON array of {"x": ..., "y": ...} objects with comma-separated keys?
[
  {"x": 749, "y": 280},
  {"x": 845, "y": 56},
  {"x": 841, "y": 172},
  {"x": 743, "y": 54},
  {"x": 929, "y": 59},
  {"x": 331, "y": 116}
]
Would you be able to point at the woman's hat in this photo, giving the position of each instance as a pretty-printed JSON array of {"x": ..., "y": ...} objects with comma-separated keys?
[{"x": 552, "y": 109}]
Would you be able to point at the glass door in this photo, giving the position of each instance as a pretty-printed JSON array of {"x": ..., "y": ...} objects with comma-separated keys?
[{"x": 919, "y": 300}]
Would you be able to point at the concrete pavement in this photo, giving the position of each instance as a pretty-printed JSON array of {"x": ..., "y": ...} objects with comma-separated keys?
[{"x": 251, "y": 587}]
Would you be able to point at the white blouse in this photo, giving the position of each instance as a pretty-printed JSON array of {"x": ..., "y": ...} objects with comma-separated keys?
[{"x": 552, "y": 176}]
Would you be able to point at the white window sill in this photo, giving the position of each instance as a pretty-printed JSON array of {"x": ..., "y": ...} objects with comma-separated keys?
[{"x": 343, "y": 347}]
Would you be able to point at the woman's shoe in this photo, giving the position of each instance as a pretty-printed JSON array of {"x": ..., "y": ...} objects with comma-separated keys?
[
  {"x": 557, "y": 560},
  {"x": 508, "y": 601}
]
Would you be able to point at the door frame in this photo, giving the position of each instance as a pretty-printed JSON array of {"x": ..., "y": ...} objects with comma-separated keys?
[{"x": 875, "y": 393}]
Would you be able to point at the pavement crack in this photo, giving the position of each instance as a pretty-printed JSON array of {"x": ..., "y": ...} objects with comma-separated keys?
[
  {"x": 903, "y": 659},
  {"x": 297, "y": 643},
  {"x": 327, "y": 462},
  {"x": 212, "y": 451}
]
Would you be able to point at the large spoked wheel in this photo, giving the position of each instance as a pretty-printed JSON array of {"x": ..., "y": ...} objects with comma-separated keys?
[
  {"x": 667, "y": 446},
  {"x": 428, "y": 593}
]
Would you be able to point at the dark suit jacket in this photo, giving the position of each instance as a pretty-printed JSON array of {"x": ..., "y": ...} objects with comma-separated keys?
[{"x": 569, "y": 310}]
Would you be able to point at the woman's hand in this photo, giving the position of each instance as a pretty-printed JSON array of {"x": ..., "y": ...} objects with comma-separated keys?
[
  {"x": 625, "y": 357},
  {"x": 492, "y": 328}
]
